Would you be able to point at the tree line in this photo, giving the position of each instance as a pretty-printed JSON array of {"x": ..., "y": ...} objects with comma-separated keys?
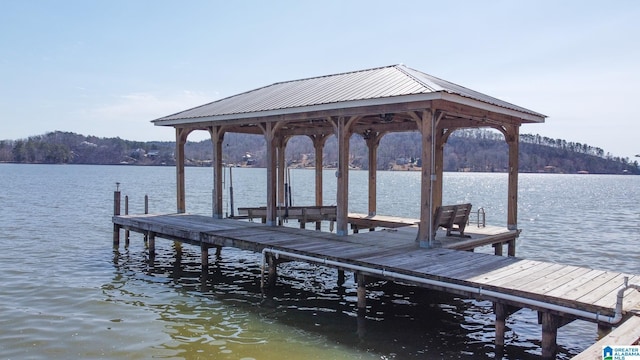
[{"x": 466, "y": 150}]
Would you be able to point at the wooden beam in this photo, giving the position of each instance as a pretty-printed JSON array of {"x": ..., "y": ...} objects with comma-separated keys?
[{"x": 297, "y": 123}]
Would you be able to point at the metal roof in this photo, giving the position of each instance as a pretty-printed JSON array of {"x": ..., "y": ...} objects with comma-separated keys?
[{"x": 383, "y": 83}]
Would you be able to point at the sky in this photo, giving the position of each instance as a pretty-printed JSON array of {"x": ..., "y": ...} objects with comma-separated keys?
[{"x": 108, "y": 67}]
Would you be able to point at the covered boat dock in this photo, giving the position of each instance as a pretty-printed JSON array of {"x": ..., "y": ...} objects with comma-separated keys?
[{"x": 419, "y": 251}]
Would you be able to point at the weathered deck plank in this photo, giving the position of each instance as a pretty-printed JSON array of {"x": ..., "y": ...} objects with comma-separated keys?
[{"x": 627, "y": 333}]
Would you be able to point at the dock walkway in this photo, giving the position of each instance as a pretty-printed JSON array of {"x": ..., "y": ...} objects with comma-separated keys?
[{"x": 561, "y": 292}]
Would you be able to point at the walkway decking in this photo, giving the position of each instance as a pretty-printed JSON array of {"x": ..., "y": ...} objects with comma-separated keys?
[{"x": 567, "y": 285}]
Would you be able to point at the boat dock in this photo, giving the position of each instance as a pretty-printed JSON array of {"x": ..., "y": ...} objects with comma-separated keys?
[
  {"x": 435, "y": 250},
  {"x": 561, "y": 293}
]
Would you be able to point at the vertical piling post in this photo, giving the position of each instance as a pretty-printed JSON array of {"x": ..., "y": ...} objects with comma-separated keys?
[
  {"x": 151, "y": 244},
  {"x": 231, "y": 192},
  {"x": 500, "y": 324},
  {"x": 498, "y": 248},
  {"x": 146, "y": 211},
  {"x": 116, "y": 212},
  {"x": 511, "y": 249},
  {"x": 204, "y": 257},
  {"x": 603, "y": 330},
  {"x": 340, "y": 277},
  {"x": 362, "y": 293},
  {"x": 272, "y": 275},
  {"x": 126, "y": 212},
  {"x": 550, "y": 324}
]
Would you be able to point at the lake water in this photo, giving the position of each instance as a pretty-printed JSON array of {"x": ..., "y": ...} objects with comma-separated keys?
[{"x": 65, "y": 293}]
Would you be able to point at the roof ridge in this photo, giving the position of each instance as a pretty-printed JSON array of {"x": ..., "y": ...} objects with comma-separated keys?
[
  {"x": 332, "y": 75},
  {"x": 407, "y": 71}
]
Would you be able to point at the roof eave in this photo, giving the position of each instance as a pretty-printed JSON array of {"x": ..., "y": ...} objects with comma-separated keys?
[{"x": 527, "y": 116}]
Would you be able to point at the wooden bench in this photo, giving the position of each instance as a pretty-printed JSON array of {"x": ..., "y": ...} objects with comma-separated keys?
[
  {"x": 452, "y": 218},
  {"x": 304, "y": 214}
]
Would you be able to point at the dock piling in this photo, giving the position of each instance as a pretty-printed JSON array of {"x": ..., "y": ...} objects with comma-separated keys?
[
  {"x": 151, "y": 244},
  {"x": 340, "y": 277},
  {"x": 362, "y": 292},
  {"x": 126, "y": 212},
  {"x": 204, "y": 258},
  {"x": 501, "y": 317},
  {"x": 550, "y": 324},
  {"x": 116, "y": 212},
  {"x": 272, "y": 274},
  {"x": 146, "y": 211}
]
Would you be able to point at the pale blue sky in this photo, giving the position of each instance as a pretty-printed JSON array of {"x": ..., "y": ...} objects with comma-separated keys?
[{"x": 107, "y": 68}]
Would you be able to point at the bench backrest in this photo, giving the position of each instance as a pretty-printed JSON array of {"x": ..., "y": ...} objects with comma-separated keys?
[{"x": 449, "y": 215}]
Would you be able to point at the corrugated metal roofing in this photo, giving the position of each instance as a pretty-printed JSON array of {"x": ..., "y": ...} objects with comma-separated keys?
[{"x": 369, "y": 84}]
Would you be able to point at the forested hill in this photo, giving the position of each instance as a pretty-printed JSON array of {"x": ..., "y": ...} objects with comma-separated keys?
[{"x": 466, "y": 150}]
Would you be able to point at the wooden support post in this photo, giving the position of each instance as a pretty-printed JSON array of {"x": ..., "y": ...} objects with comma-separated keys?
[
  {"x": 512, "y": 136},
  {"x": 511, "y": 248},
  {"x": 550, "y": 324},
  {"x": 362, "y": 293},
  {"x": 501, "y": 317},
  {"x": 342, "y": 127},
  {"x": 361, "y": 325},
  {"x": 318, "y": 145},
  {"x": 126, "y": 212},
  {"x": 340, "y": 277},
  {"x": 204, "y": 258},
  {"x": 281, "y": 145},
  {"x": 217, "y": 138},
  {"x": 372, "y": 138},
  {"x": 151, "y": 244},
  {"x": 498, "y": 248},
  {"x": 440, "y": 140},
  {"x": 427, "y": 125},
  {"x": 603, "y": 330},
  {"x": 269, "y": 130},
  {"x": 272, "y": 274},
  {"x": 116, "y": 212},
  {"x": 218, "y": 251},
  {"x": 146, "y": 211},
  {"x": 181, "y": 139}
]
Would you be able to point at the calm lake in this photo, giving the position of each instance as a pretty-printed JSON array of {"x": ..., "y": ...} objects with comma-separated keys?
[{"x": 66, "y": 293}]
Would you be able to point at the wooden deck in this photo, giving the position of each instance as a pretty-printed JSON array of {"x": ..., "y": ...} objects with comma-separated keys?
[
  {"x": 405, "y": 228},
  {"x": 556, "y": 284},
  {"x": 627, "y": 333}
]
